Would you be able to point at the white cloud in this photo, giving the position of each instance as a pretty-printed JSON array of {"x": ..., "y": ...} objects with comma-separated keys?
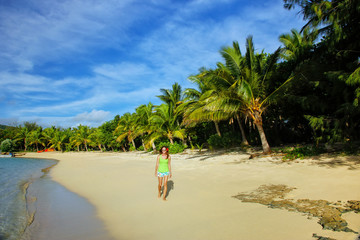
[
  {"x": 124, "y": 72},
  {"x": 95, "y": 116},
  {"x": 52, "y": 30}
]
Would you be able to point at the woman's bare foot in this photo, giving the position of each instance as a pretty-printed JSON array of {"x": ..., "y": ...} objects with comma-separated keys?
[{"x": 164, "y": 199}]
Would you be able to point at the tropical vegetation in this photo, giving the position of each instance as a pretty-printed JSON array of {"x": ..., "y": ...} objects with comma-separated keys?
[{"x": 307, "y": 91}]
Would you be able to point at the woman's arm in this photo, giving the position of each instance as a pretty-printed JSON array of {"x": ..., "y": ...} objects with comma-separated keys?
[
  {"x": 169, "y": 165},
  {"x": 157, "y": 165}
]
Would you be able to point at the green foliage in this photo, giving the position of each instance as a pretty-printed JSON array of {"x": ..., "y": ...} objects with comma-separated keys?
[
  {"x": 225, "y": 141},
  {"x": 141, "y": 148},
  {"x": 216, "y": 141},
  {"x": 200, "y": 147},
  {"x": 173, "y": 148},
  {"x": 301, "y": 152},
  {"x": 132, "y": 148},
  {"x": 7, "y": 145},
  {"x": 324, "y": 129}
]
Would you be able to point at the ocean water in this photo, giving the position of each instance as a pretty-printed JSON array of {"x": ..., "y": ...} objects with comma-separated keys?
[
  {"x": 34, "y": 207},
  {"x": 16, "y": 174}
]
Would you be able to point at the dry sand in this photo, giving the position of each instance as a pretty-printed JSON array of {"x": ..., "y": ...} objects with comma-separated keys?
[{"x": 123, "y": 188}]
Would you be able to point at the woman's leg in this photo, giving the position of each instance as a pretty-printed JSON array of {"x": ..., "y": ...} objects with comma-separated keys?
[
  {"x": 160, "y": 179},
  {"x": 165, "y": 187}
]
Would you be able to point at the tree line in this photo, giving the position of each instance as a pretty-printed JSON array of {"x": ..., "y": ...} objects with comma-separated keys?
[{"x": 307, "y": 90}]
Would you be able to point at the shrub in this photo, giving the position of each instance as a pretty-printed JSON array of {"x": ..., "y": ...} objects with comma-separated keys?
[
  {"x": 215, "y": 141},
  {"x": 132, "y": 148},
  {"x": 173, "y": 148},
  {"x": 227, "y": 140},
  {"x": 301, "y": 152},
  {"x": 141, "y": 148},
  {"x": 7, "y": 145}
]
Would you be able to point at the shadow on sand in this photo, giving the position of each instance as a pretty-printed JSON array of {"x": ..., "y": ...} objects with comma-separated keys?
[{"x": 170, "y": 187}]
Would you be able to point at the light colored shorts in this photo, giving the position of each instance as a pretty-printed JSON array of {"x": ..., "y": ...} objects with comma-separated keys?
[{"x": 163, "y": 174}]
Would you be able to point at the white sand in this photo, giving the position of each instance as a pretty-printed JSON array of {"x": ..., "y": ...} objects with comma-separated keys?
[{"x": 123, "y": 188}]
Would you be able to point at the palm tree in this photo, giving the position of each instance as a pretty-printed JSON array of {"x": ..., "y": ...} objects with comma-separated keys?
[
  {"x": 173, "y": 97},
  {"x": 127, "y": 128},
  {"x": 36, "y": 137},
  {"x": 196, "y": 110},
  {"x": 23, "y": 134},
  {"x": 297, "y": 46},
  {"x": 59, "y": 139},
  {"x": 81, "y": 136},
  {"x": 165, "y": 123},
  {"x": 144, "y": 127},
  {"x": 241, "y": 85},
  {"x": 97, "y": 137}
]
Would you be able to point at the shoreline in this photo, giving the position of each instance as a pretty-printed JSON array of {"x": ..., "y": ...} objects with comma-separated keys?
[
  {"x": 53, "y": 210},
  {"x": 123, "y": 189}
]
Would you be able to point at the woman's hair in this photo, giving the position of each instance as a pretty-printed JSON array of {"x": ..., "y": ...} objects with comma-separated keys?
[{"x": 167, "y": 151}]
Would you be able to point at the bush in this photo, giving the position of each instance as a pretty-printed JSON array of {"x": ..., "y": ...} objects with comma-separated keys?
[
  {"x": 227, "y": 140},
  {"x": 132, "y": 148},
  {"x": 215, "y": 141},
  {"x": 141, "y": 148},
  {"x": 301, "y": 152},
  {"x": 173, "y": 148},
  {"x": 7, "y": 145}
]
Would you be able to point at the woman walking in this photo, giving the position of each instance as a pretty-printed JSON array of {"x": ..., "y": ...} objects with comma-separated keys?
[{"x": 163, "y": 170}]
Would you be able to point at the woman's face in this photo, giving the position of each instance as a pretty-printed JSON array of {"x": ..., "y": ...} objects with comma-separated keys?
[{"x": 163, "y": 150}]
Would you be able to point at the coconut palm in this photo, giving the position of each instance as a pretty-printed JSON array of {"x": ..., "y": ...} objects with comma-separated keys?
[
  {"x": 297, "y": 46},
  {"x": 23, "y": 134},
  {"x": 36, "y": 137},
  {"x": 196, "y": 110},
  {"x": 127, "y": 128},
  {"x": 241, "y": 85},
  {"x": 81, "y": 136},
  {"x": 59, "y": 139},
  {"x": 144, "y": 127},
  {"x": 97, "y": 138},
  {"x": 173, "y": 97},
  {"x": 194, "y": 107},
  {"x": 165, "y": 123}
]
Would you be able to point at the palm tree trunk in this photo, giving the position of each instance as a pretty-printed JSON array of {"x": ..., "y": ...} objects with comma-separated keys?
[
  {"x": 153, "y": 146},
  {"x": 264, "y": 142},
  {"x": 171, "y": 140},
  {"x": 143, "y": 144},
  {"x": 217, "y": 128},
  {"x": 133, "y": 143},
  {"x": 85, "y": 146},
  {"x": 100, "y": 147},
  {"x": 244, "y": 140},
  {"x": 184, "y": 142},
  {"x": 123, "y": 148}
]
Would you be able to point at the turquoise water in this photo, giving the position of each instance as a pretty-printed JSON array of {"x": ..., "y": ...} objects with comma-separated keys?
[
  {"x": 34, "y": 207},
  {"x": 15, "y": 176}
]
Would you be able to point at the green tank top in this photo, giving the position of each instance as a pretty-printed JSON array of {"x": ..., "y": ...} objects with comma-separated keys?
[{"x": 163, "y": 165}]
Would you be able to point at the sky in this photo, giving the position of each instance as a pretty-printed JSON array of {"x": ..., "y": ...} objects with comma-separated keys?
[{"x": 69, "y": 62}]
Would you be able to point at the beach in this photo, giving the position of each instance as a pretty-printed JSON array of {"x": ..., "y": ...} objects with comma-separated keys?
[{"x": 203, "y": 200}]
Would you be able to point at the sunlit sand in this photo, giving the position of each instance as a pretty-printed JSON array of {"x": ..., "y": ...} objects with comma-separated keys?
[{"x": 200, "y": 202}]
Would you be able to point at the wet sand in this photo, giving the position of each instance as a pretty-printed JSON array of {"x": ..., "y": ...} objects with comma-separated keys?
[
  {"x": 200, "y": 205},
  {"x": 61, "y": 214}
]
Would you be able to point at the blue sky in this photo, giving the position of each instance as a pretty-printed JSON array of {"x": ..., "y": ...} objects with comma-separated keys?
[{"x": 71, "y": 62}]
